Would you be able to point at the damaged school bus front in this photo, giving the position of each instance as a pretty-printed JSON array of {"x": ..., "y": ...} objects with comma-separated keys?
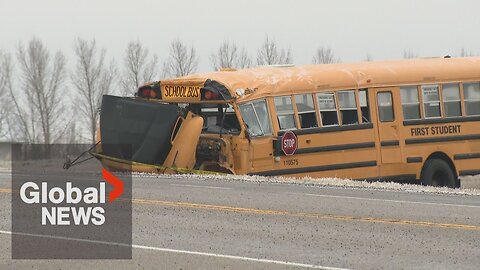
[{"x": 170, "y": 127}]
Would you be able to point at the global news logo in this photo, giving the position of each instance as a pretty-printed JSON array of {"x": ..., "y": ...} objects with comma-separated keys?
[
  {"x": 81, "y": 213},
  {"x": 93, "y": 196}
]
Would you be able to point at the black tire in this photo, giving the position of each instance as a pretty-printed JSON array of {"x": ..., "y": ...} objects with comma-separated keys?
[{"x": 438, "y": 173}]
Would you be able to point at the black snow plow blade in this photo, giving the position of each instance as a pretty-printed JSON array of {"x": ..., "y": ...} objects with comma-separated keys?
[{"x": 137, "y": 130}]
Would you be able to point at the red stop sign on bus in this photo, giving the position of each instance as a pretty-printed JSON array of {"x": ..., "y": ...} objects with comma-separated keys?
[{"x": 289, "y": 143}]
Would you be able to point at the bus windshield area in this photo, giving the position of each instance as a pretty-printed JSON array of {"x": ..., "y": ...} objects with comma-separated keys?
[{"x": 218, "y": 118}]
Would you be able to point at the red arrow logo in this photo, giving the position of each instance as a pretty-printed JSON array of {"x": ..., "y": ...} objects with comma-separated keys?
[{"x": 115, "y": 182}]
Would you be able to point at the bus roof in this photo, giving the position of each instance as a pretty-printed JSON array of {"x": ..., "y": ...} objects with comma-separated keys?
[{"x": 287, "y": 80}]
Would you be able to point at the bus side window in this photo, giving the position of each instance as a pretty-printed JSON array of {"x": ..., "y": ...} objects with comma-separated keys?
[
  {"x": 328, "y": 110},
  {"x": 363, "y": 98},
  {"x": 451, "y": 100},
  {"x": 306, "y": 111},
  {"x": 285, "y": 113},
  {"x": 410, "y": 103},
  {"x": 348, "y": 107},
  {"x": 431, "y": 101},
  {"x": 385, "y": 107},
  {"x": 471, "y": 93}
]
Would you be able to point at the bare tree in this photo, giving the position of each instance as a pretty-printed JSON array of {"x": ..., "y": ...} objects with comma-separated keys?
[
  {"x": 5, "y": 103},
  {"x": 140, "y": 67},
  {"x": 225, "y": 57},
  {"x": 228, "y": 56},
  {"x": 42, "y": 83},
  {"x": 409, "y": 54},
  {"x": 270, "y": 54},
  {"x": 244, "y": 60},
  {"x": 15, "y": 122},
  {"x": 92, "y": 79},
  {"x": 324, "y": 55},
  {"x": 72, "y": 136},
  {"x": 182, "y": 60},
  {"x": 466, "y": 53}
]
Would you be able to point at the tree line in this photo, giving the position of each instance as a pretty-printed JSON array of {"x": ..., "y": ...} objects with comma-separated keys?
[{"x": 43, "y": 101}]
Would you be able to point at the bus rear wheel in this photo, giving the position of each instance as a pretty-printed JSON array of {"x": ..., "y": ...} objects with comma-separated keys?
[{"x": 438, "y": 173}]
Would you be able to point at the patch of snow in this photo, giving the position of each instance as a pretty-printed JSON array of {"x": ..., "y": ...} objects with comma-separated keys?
[{"x": 323, "y": 182}]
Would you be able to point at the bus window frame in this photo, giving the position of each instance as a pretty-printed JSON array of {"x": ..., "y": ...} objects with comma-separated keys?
[
  {"x": 295, "y": 115},
  {"x": 367, "y": 105},
  {"x": 424, "y": 103},
  {"x": 329, "y": 110},
  {"x": 462, "y": 97},
  {"x": 418, "y": 104},
  {"x": 450, "y": 101},
  {"x": 298, "y": 113},
  {"x": 340, "y": 109},
  {"x": 465, "y": 100},
  {"x": 317, "y": 110}
]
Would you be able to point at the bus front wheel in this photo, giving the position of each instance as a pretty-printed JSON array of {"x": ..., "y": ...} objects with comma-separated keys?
[{"x": 437, "y": 173}]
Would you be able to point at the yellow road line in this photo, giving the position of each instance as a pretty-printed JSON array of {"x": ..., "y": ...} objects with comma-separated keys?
[
  {"x": 226, "y": 208},
  {"x": 304, "y": 215}
]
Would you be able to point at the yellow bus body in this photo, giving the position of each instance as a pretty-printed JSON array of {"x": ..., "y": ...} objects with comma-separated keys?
[{"x": 371, "y": 138}]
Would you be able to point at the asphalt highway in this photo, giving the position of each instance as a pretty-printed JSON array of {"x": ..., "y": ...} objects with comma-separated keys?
[{"x": 188, "y": 223}]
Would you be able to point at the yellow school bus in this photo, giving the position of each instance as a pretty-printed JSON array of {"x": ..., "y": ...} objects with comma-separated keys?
[{"x": 408, "y": 120}]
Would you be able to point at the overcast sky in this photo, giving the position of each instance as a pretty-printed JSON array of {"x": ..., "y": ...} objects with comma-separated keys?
[{"x": 381, "y": 28}]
